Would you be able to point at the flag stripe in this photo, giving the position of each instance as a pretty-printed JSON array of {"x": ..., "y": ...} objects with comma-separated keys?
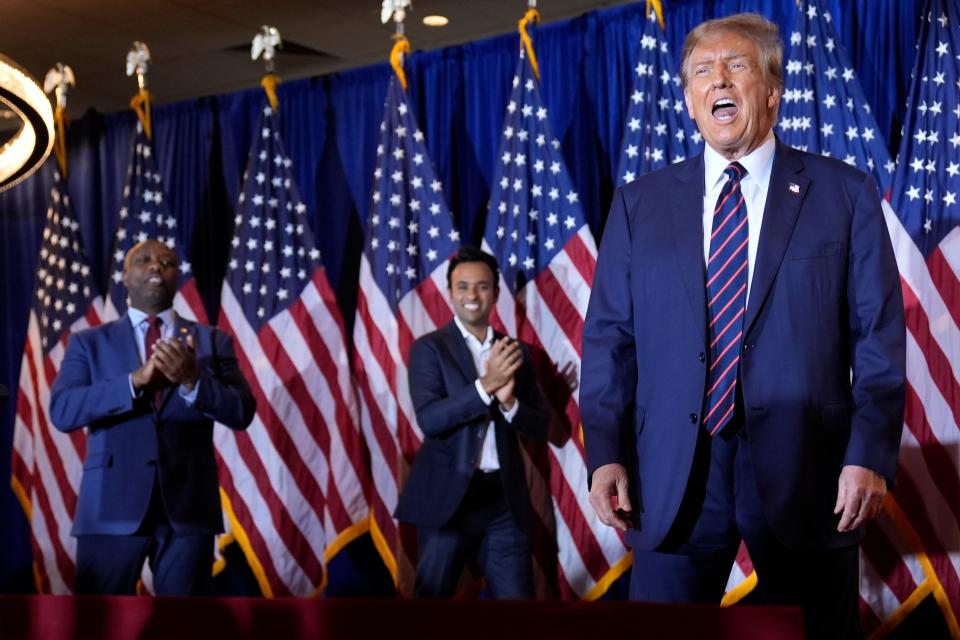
[{"x": 275, "y": 438}]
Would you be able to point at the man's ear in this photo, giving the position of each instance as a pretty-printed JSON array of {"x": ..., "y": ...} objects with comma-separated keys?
[{"x": 774, "y": 98}]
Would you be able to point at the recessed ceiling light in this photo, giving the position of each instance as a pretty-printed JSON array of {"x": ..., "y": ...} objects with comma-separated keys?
[{"x": 435, "y": 21}]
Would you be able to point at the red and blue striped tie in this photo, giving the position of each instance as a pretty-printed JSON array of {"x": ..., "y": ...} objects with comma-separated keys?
[{"x": 726, "y": 298}]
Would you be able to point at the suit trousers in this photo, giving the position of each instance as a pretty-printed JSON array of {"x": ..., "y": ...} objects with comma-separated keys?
[
  {"x": 482, "y": 529},
  {"x": 721, "y": 504},
  {"x": 111, "y": 564}
]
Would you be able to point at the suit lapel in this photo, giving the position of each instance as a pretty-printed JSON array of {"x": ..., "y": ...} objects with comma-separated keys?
[
  {"x": 459, "y": 350},
  {"x": 686, "y": 200},
  {"x": 123, "y": 336},
  {"x": 784, "y": 195}
]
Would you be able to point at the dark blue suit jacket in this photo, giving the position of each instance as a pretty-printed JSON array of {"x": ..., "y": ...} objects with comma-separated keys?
[
  {"x": 824, "y": 301},
  {"x": 452, "y": 417},
  {"x": 129, "y": 444}
]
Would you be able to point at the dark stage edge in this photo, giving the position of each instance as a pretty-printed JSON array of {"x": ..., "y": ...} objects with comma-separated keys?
[{"x": 117, "y": 617}]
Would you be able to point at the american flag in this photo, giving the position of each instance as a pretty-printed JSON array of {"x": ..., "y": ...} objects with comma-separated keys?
[
  {"x": 537, "y": 230},
  {"x": 657, "y": 130},
  {"x": 923, "y": 219},
  {"x": 824, "y": 111},
  {"x": 47, "y": 464},
  {"x": 410, "y": 236},
  {"x": 145, "y": 214},
  {"x": 293, "y": 483}
]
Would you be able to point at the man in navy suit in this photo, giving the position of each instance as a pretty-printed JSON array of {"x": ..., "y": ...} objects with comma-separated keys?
[
  {"x": 743, "y": 367},
  {"x": 474, "y": 391},
  {"x": 149, "y": 387}
]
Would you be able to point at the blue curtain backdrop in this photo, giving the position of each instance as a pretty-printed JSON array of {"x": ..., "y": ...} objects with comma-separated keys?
[{"x": 330, "y": 126}]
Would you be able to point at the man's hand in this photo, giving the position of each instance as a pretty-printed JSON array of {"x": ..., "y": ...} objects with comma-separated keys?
[
  {"x": 859, "y": 496},
  {"x": 177, "y": 361},
  {"x": 505, "y": 395},
  {"x": 505, "y": 359},
  {"x": 610, "y": 481},
  {"x": 148, "y": 377}
]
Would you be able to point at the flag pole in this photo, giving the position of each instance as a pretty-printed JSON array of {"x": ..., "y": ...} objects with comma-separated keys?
[
  {"x": 532, "y": 15},
  {"x": 59, "y": 80},
  {"x": 401, "y": 45},
  {"x": 265, "y": 44},
  {"x": 138, "y": 60}
]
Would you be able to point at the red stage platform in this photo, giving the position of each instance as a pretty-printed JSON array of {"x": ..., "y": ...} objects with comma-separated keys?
[{"x": 116, "y": 618}]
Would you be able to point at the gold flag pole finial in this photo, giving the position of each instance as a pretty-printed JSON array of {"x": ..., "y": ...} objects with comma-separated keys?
[
  {"x": 138, "y": 59},
  {"x": 657, "y": 6},
  {"x": 58, "y": 81},
  {"x": 265, "y": 44},
  {"x": 397, "y": 9},
  {"x": 532, "y": 15}
]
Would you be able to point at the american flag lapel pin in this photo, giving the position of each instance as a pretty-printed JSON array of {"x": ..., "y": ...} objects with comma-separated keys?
[{"x": 794, "y": 188}]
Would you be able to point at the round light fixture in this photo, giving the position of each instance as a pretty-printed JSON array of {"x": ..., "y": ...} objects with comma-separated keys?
[
  {"x": 435, "y": 21},
  {"x": 30, "y": 145}
]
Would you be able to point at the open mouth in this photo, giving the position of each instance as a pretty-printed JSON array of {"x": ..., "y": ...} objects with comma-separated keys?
[
  {"x": 724, "y": 109},
  {"x": 471, "y": 306},
  {"x": 154, "y": 280}
]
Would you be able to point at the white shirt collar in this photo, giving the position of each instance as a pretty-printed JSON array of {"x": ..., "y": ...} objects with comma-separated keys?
[
  {"x": 758, "y": 163},
  {"x": 467, "y": 334},
  {"x": 138, "y": 317}
]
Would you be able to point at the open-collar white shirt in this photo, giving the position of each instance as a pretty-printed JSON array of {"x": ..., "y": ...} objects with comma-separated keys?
[{"x": 489, "y": 460}]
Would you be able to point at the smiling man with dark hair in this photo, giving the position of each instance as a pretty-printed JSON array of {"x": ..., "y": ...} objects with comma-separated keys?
[{"x": 474, "y": 392}]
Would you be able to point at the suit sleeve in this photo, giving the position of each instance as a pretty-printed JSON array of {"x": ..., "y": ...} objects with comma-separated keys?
[
  {"x": 223, "y": 393},
  {"x": 76, "y": 399},
  {"x": 878, "y": 340},
  {"x": 609, "y": 372},
  {"x": 439, "y": 411}
]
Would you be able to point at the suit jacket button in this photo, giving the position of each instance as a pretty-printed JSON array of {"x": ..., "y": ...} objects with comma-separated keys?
[
  {"x": 694, "y": 418},
  {"x": 702, "y": 357}
]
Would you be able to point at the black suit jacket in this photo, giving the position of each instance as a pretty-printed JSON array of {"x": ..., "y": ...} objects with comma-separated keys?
[{"x": 453, "y": 418}]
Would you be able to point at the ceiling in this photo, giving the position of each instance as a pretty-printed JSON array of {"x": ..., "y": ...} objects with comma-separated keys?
[{"x": 202, "y": 47}]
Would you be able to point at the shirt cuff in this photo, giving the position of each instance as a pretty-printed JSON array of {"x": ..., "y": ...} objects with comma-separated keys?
[
  {"x": 133, "y": 392},
  {"x": 189, "y": 397},
  {"x": 487, "y": 399},
  {"x": 508, "y": 415}
]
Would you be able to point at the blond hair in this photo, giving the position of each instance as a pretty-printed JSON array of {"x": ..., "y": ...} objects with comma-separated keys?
[{"x": 749, "y": 25}]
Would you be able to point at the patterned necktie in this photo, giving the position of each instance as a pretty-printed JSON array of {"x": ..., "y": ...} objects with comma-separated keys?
[
  {"x": 150, "y": 339},
  {"x": 726, "y": 298}
]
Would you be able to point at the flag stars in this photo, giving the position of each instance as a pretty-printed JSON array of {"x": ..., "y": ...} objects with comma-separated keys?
[{"x": 950, "y": 198}]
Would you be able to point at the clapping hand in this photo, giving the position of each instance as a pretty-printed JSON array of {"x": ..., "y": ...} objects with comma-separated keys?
[
  {"x": 177, "y": 361},
  {"x": 505, "y": 359}
]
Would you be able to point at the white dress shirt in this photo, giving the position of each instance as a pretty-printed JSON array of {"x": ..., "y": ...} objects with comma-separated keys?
[
  {"x": 489, "y": 461},
  {"x": 138, "y": 319},
  {"x": 758, "y": 164}
]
